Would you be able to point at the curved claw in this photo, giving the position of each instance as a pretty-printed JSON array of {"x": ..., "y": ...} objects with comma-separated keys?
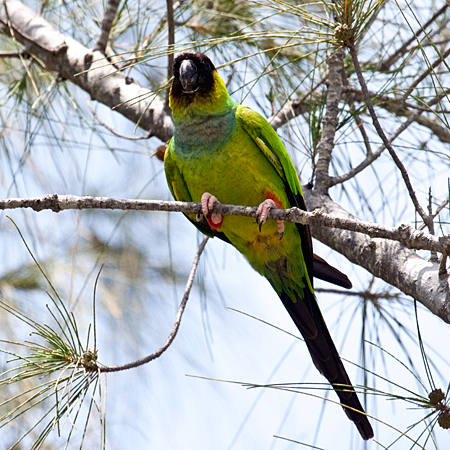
[{"x": 263, "y": 211}]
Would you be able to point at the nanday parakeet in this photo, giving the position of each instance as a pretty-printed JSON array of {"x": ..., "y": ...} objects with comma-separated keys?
[{"x": 223, "y": 151}]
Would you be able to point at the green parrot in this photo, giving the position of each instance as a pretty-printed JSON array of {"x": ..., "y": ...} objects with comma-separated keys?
[{"x": 223, "y": 151}]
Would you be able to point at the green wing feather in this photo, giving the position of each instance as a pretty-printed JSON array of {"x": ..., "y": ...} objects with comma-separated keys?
[{"x": 270, "y": 144}]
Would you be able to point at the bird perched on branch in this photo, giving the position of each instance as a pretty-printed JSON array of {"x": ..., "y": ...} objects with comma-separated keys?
[{"x": 223, "y": 151}]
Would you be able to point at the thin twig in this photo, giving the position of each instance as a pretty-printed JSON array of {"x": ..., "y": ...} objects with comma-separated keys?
[
  {"x": 433, "y": 256},
  {"x": 380, "y": 131},
  {"x": 385, "y": 66},
  {"x": 140, "y": 51},
  {"x": 391, "y": 104},
  {"x": 100, "y": 121},
  {"x": 407, "y": 235},
  {"x": 230, "y": 77},
  {"x": 362, "y": 294},
  {"x": 425, "y": 74},
  {"x": 107, "y": 23},
  {"x": 364, "y": 135},
  {"x": 358, "y": 119},
  {"x": 293, "y": 108},
  {"x": 14, "y": 55},
  {"x": 175, "y": 328},
  {"x": 438, "y": 210},
  {"x": 373, "y": 156},
  {"x": 400, "y": 108}
]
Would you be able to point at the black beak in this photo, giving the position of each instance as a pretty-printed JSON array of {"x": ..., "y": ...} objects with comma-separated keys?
[{"x": 188, "y": 76}]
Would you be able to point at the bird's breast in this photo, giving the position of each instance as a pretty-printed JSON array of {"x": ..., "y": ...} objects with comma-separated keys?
[{"x": 204, "y": 134}]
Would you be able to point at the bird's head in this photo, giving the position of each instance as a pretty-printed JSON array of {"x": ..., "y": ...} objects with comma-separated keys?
[{"x": 197, "y": 88}]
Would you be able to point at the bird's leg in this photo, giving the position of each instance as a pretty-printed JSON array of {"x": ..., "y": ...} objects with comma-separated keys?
[
  {"x": 208, "y": 201},
  {"x": 263, "y": 211}
]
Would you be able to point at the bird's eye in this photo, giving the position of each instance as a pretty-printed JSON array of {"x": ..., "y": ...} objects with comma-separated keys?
[{"x": 207, "y": 65}]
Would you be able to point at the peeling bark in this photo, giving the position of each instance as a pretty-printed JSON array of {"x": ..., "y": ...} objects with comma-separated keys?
[{"x": 91, "y": 71}]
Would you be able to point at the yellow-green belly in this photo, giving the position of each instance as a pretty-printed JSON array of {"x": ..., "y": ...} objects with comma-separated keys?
[{"x": 239, "y": 174}]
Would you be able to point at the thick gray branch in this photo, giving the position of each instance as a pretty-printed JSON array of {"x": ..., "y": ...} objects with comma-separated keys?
[
  {"x": 389, "y": 260},
  {"x": 68, "y": 58}
]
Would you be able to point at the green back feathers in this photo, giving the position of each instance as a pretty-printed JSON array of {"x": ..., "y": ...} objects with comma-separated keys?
[{"x": 270, "y": 144}]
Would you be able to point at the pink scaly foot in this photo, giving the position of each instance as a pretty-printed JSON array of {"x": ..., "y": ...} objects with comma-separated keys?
[
  {"x": 208, "y": 201},
  {"x": 263, "y": 211}
]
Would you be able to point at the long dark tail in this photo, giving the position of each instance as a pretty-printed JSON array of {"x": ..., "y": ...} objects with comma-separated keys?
[
  {"x": 326, "y": 272},
  {"x": 309, "y": 320}
]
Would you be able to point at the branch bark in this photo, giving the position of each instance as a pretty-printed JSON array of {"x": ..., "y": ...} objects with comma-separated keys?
[
  {"x": 89, "y": 70},
  {"x": 389, "y": 260},
  {"x": 408, "y": 236},
  {"x": 330, "y": 120}
]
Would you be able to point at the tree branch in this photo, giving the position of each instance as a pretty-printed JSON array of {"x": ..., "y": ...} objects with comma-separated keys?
[
  {"x": 90, "y": 71},
  {"x": 330, "y": 120},
  {"x": 112, "y": 130},
  {"x": 380, "y": 131},
  {"x": 385, "y": 252},
  {"x": 170, "y": 42},
  {"x": 386, "y": 259},
  {"x": 140, "y": 51},
  {"x": 14, "y": 55},
  {"x": 107, "y": 22},
  {"x": 171, "y": 38},
  {"x": 408, "y": 236},
  {"x": 370, "y": 158},
  {"x": 293, "y": 108},
  {"x": 176, "y": 326},
  {"x": 439, "y": 60},
  {"x": 386, "y": 65}
]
